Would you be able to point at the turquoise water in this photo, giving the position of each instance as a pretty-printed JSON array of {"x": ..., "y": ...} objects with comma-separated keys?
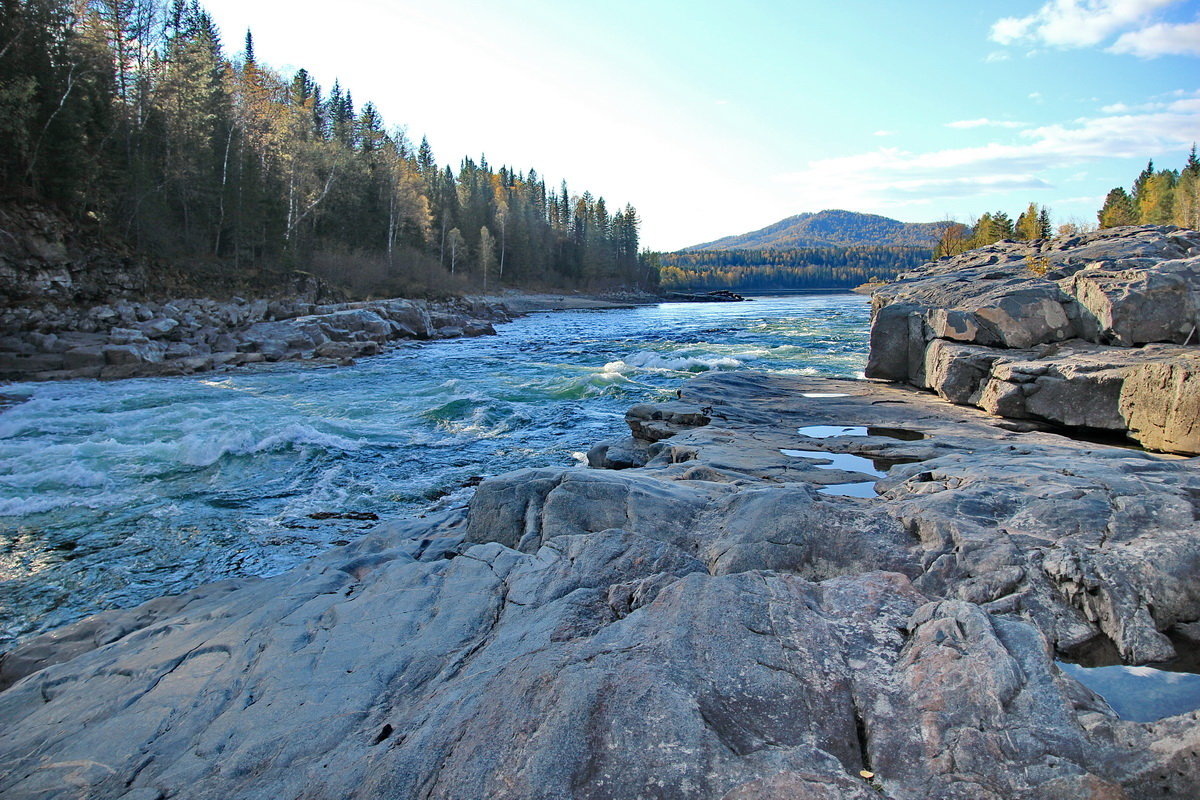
[{"x": 114, "y": 493}]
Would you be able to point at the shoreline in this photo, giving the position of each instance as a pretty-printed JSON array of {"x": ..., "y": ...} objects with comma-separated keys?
[{"x": 193, "y": 336}]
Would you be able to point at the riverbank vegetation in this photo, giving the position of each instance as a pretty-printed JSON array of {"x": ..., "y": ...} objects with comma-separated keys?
[{"x": 128, "y": 117}]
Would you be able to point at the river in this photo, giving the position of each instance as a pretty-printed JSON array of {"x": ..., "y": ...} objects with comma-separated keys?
[{"x": 115, "y": 493}]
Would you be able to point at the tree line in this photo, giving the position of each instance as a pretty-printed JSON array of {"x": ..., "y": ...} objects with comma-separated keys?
[
  {"x": 798, "y": 269},
  {"x": 990, "y": 227},
  {"x": 1157, "y": 197},
  {"x": 127, "y": 115}
]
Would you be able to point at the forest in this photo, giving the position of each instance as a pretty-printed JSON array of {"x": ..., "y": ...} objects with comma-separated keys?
[
  {"x": 1157, "y": 197},
  {"x": 799, "y": 269},
  {"x": 128, "y": 117}
]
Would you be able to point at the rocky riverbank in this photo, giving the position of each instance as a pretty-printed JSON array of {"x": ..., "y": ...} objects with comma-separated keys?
[
  {"x": 74, "y": 305},
  {"x": 181, "y": 337},
  {"x": 187, "y": 336},
  {"x": 774, "y": 587}
]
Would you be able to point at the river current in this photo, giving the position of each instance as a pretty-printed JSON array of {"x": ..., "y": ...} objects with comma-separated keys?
[{"x": 114, "y": 493}]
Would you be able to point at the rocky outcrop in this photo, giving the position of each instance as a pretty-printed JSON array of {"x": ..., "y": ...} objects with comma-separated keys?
[
  {"x": 1097, "y": 331},
  {"x": 721, "y": 622},
  {"x": 44, "y": 258},
  {"x": 180, "y": 337}
]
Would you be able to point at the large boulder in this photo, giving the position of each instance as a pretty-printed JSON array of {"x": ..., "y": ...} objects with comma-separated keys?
[{"x": 1094, "y": 331}]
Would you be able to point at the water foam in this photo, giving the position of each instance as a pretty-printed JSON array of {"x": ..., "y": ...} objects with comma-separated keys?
[
  {"x": 201, "y": 450},
  {"x": 646, "y": 360}
]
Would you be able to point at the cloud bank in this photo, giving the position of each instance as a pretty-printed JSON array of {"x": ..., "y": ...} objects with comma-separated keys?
[
  {"x": 892, "y": 176},
  {"x": 1087, "y": 23}
]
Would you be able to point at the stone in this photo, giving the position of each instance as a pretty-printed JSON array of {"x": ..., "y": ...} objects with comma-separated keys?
[
  {"x": 654, "y": 422},
  {"x": 1045, "y": 331},
  {"x": 84, "y": 357},
  {"x": 159, "y": 327},
  {"x": 126, "y": 336}
]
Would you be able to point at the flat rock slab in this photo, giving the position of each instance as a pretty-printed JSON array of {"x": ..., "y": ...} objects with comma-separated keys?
[{"x": 713, "y": 624}]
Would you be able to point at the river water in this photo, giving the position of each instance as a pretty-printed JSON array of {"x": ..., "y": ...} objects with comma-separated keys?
[{"x": 115, "y": 493}]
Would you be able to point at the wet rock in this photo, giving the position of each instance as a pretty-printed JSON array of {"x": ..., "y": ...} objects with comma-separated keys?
[{"x": 652, "y": 422}]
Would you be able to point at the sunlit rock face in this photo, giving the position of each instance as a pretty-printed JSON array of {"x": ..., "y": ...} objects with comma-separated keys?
[{"x": 1096, "y": 331}]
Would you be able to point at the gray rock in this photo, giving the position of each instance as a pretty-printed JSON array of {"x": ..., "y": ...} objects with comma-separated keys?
[
  {"x": 159, "y": 327},
  {"x": 125, "y": 336},
  {"x": 1026, "y": 331},
  {"x": 84, "y": 357}
]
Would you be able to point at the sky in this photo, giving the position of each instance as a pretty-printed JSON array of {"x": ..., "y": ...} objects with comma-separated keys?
[{"x": 720, "y": 118}]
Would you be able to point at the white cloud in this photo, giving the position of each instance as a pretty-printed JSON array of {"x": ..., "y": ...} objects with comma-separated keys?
[
  {"x": 986, "y": 123},
  {"x": 891, "y": 176},
  {"x": 1035, "y": 96},
  {"x": 1075, "y": 23},
  {"x": 884, "y": 133},
  {"x": 1161, "y": 40},
  {"x": 996, "y": 55}
]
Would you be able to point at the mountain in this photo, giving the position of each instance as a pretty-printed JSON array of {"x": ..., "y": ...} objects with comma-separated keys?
[{"x": 831, "y": 229}]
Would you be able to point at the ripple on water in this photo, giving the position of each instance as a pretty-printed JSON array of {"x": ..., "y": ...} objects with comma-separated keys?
[{"x": 113, "y": 493}]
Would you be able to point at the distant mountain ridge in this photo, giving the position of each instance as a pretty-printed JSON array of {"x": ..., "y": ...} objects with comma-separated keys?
[{"x": 831, "y": 228}]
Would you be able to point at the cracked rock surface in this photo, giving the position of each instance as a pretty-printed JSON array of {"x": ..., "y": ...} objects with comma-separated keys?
[
  {"x": 717, "y": 623},
  {"x": 1100, "y": 330}
]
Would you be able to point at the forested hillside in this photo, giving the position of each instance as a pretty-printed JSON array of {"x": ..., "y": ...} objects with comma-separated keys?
[
  {"x": 798, "y": 269},
  {"x": 831, "y": 229},
  {"x": 129, "y": 117}
]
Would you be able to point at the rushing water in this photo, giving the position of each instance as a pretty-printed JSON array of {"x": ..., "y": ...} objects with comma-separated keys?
[{"x": 113, "y": 493}]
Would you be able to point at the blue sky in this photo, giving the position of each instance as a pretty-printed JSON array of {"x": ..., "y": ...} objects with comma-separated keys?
[{"x": 719, "y": 118}]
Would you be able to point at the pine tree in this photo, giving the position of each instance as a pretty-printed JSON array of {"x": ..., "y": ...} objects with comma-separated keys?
[
  {"x": 1186, "y": 213},
  {"x": 1028, "y": 226},
  {"x": 1156, "y": 199},
  {"x": 1044, "y": 228},
  {"x": 1118, "y": 210},
  {"x": 1140, "y": 183}
]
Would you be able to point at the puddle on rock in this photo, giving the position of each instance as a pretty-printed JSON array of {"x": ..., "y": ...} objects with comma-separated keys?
[
  {"x": 864, "y": 489},
  {"x": 1145, "y": 693},
  {"x": 903, "y": 434},
  {"x": 1141, "y": 694},
  {"x": 843, "y": 461},
  {"x": 847, "y": 462},
  {"x": 824, "y": 394},
  {"x": 828, "y": 431}
]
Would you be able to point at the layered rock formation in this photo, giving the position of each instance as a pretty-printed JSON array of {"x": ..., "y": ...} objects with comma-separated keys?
[
  {"x": 1097, "y": 331},
  {"x": 180, "y": 337},
  {"x": 721, "y": 622}
]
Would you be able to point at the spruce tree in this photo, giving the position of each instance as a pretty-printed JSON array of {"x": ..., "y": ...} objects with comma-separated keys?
[{"x": 1118, "y": 210}]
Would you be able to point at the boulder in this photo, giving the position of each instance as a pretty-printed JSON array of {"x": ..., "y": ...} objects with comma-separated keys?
[{"x": 1046, "y": 330}]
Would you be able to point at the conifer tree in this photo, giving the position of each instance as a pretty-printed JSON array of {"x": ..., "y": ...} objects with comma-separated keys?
[
  {"x": 1156, "y": 199},
  {"x": 1028, "y": 225},
  {"x": 1117, "y": 210},
  {"x": 1187, "y": 194}
]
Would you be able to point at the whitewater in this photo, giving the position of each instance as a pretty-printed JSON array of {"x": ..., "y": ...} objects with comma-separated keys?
[{"x": 114, "y": 493}]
